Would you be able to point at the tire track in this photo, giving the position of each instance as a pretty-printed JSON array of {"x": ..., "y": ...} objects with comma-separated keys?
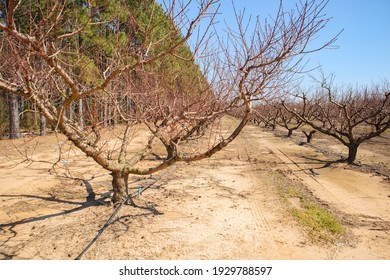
[
  {"x": 307, "y": 178},
  {"x": 259, "y": 197}
]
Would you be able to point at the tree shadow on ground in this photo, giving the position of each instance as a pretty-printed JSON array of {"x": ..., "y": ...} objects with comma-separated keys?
[
  {"x": 82, "y": 205},
  {"x": 90, "y": 201},
  {"x": 321, "y": 162}
]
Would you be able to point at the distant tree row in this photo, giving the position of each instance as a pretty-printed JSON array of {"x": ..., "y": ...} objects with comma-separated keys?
[{"x": 351, "y": 116}]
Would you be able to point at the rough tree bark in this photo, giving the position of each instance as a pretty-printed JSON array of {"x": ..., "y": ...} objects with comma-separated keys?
[
  {"x": 352, "y": 151},
  {"x": 120, "y": 186}
]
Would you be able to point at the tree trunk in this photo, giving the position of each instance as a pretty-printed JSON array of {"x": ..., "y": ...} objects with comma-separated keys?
[
  {"x": 24, "y": 120},
  {"x": 171, "y": 151},
  {"x": 120, "y": 186},
  {"x": 42, "y": 125},
  {"x": 109, "y": 113},
  {"x": 115, "y": 116},
  {"x": 309, "y": 135},
  {"x": 352, "y": 152},
  {"x": 105, "y": 115},
  {"x": 270, "y": 125},
  {"x": 71, "y": 112},
  {"x": 290, "y": 132},
  {"x": 95, "y": 112},
  {"x": 81, "y": 114},
  {"x": 35, "y": 117},
  {"x": 13, "y": 106}
]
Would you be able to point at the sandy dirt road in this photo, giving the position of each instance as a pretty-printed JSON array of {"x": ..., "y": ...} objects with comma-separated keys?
[{"x": 226, "y": 207}]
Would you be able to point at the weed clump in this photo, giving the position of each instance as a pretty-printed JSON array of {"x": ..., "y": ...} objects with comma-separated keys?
[{"x": 320, "y": 223}]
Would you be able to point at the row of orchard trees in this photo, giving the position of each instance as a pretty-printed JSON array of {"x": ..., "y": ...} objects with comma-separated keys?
[
  {"x": 83, "y": 64},
  {"x": 351, "y": 116}
]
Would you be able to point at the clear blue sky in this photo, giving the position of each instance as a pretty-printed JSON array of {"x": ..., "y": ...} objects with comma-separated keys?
[{"x": 363, "y": 55}]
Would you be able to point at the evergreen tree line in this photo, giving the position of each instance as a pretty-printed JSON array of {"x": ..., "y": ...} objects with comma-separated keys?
[{"x": 121, "y": 26}]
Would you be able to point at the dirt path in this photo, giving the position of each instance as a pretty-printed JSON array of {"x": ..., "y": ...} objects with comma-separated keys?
[
  {"x": 361, "y": 199},
  {"x": 348, "y": 190},
  {"x": 226, "y": 207}
]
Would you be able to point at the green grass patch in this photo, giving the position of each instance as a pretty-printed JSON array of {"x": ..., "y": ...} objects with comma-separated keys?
[{"x": 319, "y": 222}]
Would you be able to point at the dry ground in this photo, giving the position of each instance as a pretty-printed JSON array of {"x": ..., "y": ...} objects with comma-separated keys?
[{"x": 226, "y": 207}]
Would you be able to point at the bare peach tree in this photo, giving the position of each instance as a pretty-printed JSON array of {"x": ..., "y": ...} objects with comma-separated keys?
[
  {"x": 287, "y": 119},
  {"x": 62, "y": 52},
  {"x": 266, "y": 113},
  {"x": 309, "y": 135},
  {"x": 352, "y": 116}
]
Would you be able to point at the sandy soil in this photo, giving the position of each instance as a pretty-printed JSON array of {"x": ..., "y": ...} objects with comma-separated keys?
[{"x": 226, "y": 207}]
